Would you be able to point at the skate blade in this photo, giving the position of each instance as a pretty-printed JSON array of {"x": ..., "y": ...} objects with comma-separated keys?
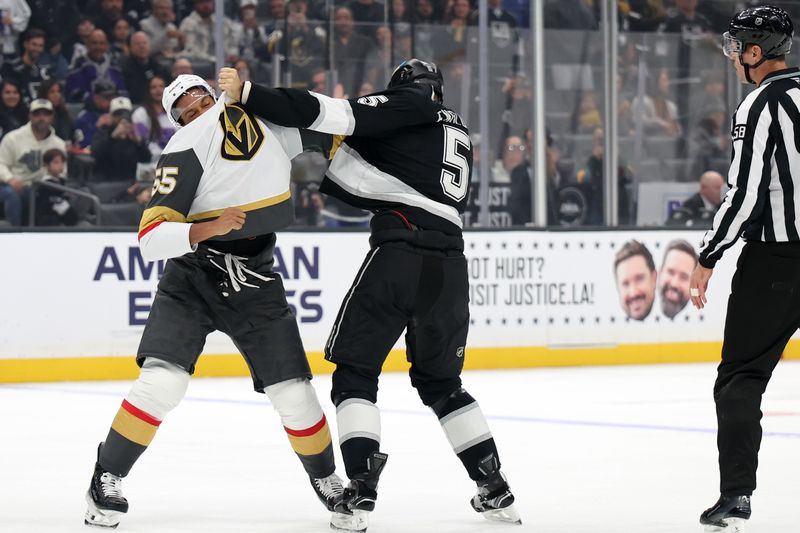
[
  {"x": 350, "y": 523},
  {"x": 100, "y": 517},
  {"x": 506, "y": 514},
  {"x": 732, "y": 525}
]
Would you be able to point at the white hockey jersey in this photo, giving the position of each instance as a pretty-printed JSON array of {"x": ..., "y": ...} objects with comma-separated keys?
[{"x": 227, "y": 157}]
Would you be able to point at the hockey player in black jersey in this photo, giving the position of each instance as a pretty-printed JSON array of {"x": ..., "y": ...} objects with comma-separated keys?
[{"x": 406, "y": 157}]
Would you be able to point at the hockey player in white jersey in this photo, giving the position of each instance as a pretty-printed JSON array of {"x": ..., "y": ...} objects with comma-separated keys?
[{"x": 220, "y": 193}]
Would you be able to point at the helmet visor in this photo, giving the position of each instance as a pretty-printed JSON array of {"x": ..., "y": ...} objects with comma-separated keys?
[
  {"x": 197, "y": 94},
  {"x": 731, "y": 46}
]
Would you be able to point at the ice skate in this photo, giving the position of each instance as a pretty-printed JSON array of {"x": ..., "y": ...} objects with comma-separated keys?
[
  {"x": 494, "y": 499},
  {"x": 106, "y": 504},
  {"x": 328, "y": 489},
  {"x": 728, "y": 515},
  {"x": 351, "y": 513}
]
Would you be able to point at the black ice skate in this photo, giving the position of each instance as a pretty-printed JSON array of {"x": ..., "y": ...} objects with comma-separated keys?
[
  {"x": 494, "y": 499},
  {"x": 329, "y": 490},
  {"x": 104, "y": 497},
  {"x": 728, "y": 515},
  {"x": 358, "y": 499}
]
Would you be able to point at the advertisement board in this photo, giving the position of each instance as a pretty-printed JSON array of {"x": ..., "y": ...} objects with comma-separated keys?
[{"x": 537, "y": 297}]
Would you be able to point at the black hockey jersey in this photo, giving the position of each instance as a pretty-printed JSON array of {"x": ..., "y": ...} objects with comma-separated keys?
[{"x": 398, "y": 149}]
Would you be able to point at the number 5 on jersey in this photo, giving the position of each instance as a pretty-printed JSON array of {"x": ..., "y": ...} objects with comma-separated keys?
[
  {"x": 166, "y": 179},
  {"x": 455, "y": 171}
]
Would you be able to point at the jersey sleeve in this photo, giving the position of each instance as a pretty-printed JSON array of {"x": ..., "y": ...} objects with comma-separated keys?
[
  {"x": 371, "y": 115},
  {"x": 748, "y": 178},
  {"x": 163, "y": 230}
]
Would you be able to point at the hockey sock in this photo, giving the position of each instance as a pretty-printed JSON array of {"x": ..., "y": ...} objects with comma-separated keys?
[
  {"x": 465, "y": 427},
  {"x": 305, "y": 424},
  {"x": 160, "y": 388},
  {"x": 359, "y": 423}
]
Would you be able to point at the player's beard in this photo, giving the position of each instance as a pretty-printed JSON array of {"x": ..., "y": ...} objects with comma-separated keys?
[{"x": 672, "y": 306}]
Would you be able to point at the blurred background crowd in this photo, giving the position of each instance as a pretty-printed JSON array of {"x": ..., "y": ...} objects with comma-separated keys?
[{"x": 81, "y": 122}]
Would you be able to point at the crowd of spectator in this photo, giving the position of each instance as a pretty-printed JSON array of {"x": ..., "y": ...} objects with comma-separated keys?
[{"x": 85, "y": 77}]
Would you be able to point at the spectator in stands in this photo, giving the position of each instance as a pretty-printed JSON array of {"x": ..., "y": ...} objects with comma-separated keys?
[
  {"x": 635, "y": 274},
  {"x": 591, "y": 183},
  {"x": 368, "y": 15},
  {"x": 586, "y": 117},
  {"x": 57, "y": 19},
  {"x": 97, "y": 64},
  {"x": 53, "y": 61},
  {"x": 450, "y": 42},
  {"x": 199, "y": 30},
  {"x": 700, "y": 208},
  {"x": 514, "y": 151},
  {"x": 110, "y": 12},
  {"x": 308, "y": 205},
  {"x": 277, "y": 14},
  {"x": 713, "y": 94},
  {"x": 116, "y": 147},
  {"x": 380, "y": 63},
  {"x": 710, "y": 141},
  {"x": 399, "y": 13},
  {"x": 80, "y": 46},
  {"x": 522, "y": 184},
  {"x": 21, "y": 159},
  {"x": 53, "y": 207},
  {"x": 680, "y": 259},
  {"x": 165, "y": 38},
  {"x": 62, "y": 122},
  {"x": 14, "y": 15},
  {"x": 13, "y": 111},
  {"x": 350, "y": 50},
  {"x": 181, "y": 65},
  {"x": 139, "y": 67},
  {"x": 120, "y": 39},
  {"x": 426, "y": 23},
  {"x": 569, "y": 15},
  {"x": 252, "y": 37},
  {"x": 644, "y": 15},
  {"x": 691, "y": 25},
  {"x": 25, "y": 69},
  {"x": 150, "y": 120},
  {"x": 306, "y": 44},
  {"x": 502, "y": 25},
  {"x": 95, "y": 112},
  {"x": 658, "y": 112}
]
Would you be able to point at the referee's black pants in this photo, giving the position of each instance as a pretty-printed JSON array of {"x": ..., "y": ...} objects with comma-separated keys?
[{"x": 763, "y": 313}]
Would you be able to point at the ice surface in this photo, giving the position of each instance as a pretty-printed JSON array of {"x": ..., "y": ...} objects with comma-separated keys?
[{"x": 586, "y": 450}]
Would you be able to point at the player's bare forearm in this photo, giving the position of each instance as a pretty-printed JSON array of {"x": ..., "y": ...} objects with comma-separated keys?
[{"x": 231, "y": 219}]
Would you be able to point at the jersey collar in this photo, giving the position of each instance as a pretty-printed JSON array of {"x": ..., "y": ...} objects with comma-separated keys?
[{"x": 780, "y": 75}]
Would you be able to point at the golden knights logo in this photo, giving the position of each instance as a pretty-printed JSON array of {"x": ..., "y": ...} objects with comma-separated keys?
[{"x": 243, "y": 134}]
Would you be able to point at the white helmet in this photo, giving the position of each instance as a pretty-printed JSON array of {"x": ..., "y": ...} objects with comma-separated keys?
[{"x": 180, "y": 86}]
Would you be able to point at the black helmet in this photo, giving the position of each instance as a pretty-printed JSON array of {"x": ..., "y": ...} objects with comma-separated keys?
[
  {"x": 418, "y": 71},
  {"x": 767, "y": 26}
]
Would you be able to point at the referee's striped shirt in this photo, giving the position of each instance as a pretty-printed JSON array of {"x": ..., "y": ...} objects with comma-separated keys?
[{"x": 764, "y": 199}]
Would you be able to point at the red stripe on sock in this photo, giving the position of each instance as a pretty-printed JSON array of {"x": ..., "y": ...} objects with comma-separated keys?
[
  {"x": 138, "y": 413},
  {"x": 149, "y": 228},
  {"x": 306, "y": 432}
]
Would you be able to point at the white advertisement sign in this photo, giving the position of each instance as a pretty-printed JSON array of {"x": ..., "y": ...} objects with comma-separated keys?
[{"x": 89, "y": 294}]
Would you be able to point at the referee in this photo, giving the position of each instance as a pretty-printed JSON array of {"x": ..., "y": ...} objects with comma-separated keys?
[{"x": 763, "y": 205}]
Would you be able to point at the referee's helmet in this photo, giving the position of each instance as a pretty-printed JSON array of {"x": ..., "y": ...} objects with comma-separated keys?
[
  {"x": 418, "y": 71},
  {"x": 766, "y": 26}
]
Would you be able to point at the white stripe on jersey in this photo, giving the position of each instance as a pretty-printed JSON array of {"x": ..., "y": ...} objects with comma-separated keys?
[
  {"x": 349, "y": 170},
  {"x": 335, "y": 116},
  {"x": 734, "y": 229}
]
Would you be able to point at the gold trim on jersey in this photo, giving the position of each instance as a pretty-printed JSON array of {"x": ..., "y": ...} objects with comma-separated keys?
[
  {"x": 152, "y": 214},
  {"x": 252, "y": 206},
  {"x": 337, "y": 142}
]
